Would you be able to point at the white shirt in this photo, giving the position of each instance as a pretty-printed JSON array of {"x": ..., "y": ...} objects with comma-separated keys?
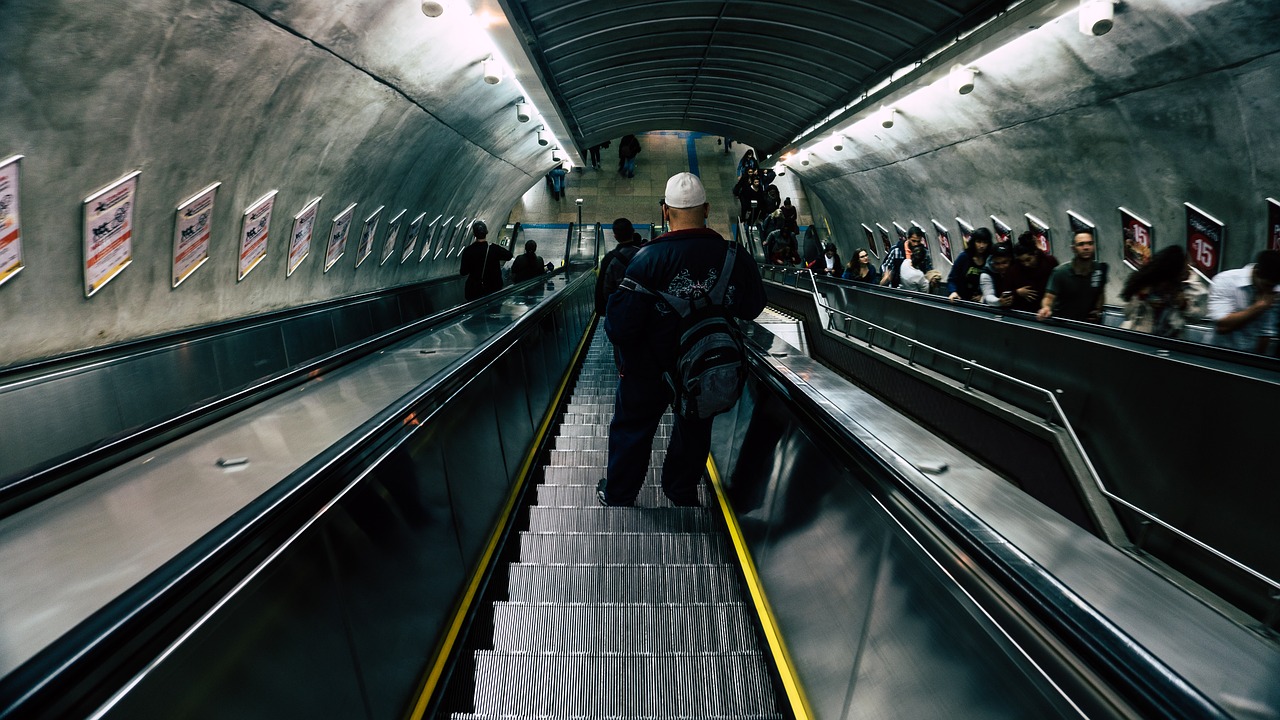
[{"x": 1232, "y": 291}]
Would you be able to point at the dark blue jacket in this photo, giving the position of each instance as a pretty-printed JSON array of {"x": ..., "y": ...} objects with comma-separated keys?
[{"x": 644, "y": 329}]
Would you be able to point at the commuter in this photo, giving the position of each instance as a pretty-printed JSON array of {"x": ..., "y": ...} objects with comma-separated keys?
[
  {"x": 613, "y": 267},
  {"x": 780, "y": 247},
  {"x": 829, "y": 264},
  {"x": 772, "y": 200},
  {"x": 1029, "y": 273},
  {"x": 1077, "y": 289},
  {"x": 594, "y": 153},
  {"x": 751, "y": 193},
  {"x": 1242, "y": 304},
  {"x": 913, "y": 245},
  {"x": 789, "y": 213},
  {"x": 861, "y": 269},
  {"x": 1153, "y": 294},
  {"x": 628, "y": 149},
  {"x": 962, "y": 282},
  {"x": 728, "y": 144},
  {"x": 481, "y": 262},
  {"x": 528, "y": 265},
  {"x": 556, "y": 177},
  {"x": 747, "y": 162},
  {"x": 644, "y": 329},
  {"x": 911, "y": 276},
  {"x": 811, "y": 248},
  {"x": 997, "y": 291}
]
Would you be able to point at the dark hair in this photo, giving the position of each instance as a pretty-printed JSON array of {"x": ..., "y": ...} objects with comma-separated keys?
[
  {"x": 1267, "y": 265},
  {"x": 1001, "y": 250},
  {"x": 1167, "y": 265},
  {"x": 1026, "y": 244},
  {"x": 915, "y": 231},
  {"x": 531, "y": 246},
  {"x": 622, "y": 228},
  {"x": 982, "y": 234}
]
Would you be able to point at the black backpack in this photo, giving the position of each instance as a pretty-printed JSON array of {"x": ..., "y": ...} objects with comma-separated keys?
[{"x": 710, "y": 365}]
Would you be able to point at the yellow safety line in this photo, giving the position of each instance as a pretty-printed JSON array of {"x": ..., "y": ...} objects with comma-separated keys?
[
  {"x": 455, "y": 627},
  {"x": 786, "y": 669}
]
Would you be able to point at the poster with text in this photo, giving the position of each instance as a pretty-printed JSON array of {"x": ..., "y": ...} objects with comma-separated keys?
[
  {"x": 432, "y": 229},
  {"x": 108, "y": 232},
  {"x": 1273, "y": 225},
  {"x": 304, "y": 226},
  {"x": 253, "y": 234},
  {"x": 944, "y": 240},
  {"x": 411, "y": 239},
  {"x": 1139, "y": 239},
  {"x": 10, "y": 220},
  {"x": 1205, "y": 237},
  {"x": 191, "y": 232},
  {"x": 1003, "y": 232},
  {"x": 1040, "y": 230},
  {"x": 1079, "y": 223},
  {"x": 884, "y": 237},
  {"x": 871, "y": 239},
  {"x": 365, "y": 247},
  {"x": 393, "y": 231},
  {"x": 338, "y": 232}
]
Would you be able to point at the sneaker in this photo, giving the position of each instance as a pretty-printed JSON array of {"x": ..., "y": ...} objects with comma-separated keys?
[{"x": 605, "y": 500}]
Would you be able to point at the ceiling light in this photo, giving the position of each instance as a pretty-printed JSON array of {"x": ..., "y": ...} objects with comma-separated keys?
[
  {"x": 804, "y": 157},
  {"x": 1096, "y": 16},
  {"x": 542, "y": 136},
  {"x": 522, "y": 110},
  {"x": 962, "y": 79},
  {"x": 492, "y": 71},
  {"x": 555, "y": 154},
  {"x": 430, "y": 8},
  {"x": 885, "y": 116},
  {"x": 837, "y": 142}
]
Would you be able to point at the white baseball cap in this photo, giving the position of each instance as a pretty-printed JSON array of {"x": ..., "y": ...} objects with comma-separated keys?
[{"x": 684, "y": 190}]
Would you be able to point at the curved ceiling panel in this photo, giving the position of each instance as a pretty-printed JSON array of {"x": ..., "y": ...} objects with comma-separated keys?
[{"x": 759, "y": 71}]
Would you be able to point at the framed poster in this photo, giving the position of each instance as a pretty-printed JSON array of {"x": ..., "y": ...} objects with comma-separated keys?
[
  {"x": 899, "y": 232},
  {"x": 1273, "y": 228},
  {"x": 411, "y": 239},
  {"x": 108, "y": 232},
  {"x": 253, "y": 234},
  {"x": 459, "y": 236},
  {"x": 431, "y": 238},
  {"x": 884, "y": 237},
  {"x": 1079, "y": 223},
  {"x": 1139, "y": 239},
  {"x": 871, "y": 239},
  {"x": 192, "y": 227},
  {"x": 393, "y": 232},
  {"x": 1040, "y": 229},
  {"x": 966, "y": 232},
  {"x": 944, "y": 240},
  {"x": 338, "y": 232},
  {"x": 10, "y": 219},
  {"x": 1003, "y": 232},
  {"x": 1205, "y": 237},
  {"x": 365, "y": 246},
  {"x": 304, "y": 225}
]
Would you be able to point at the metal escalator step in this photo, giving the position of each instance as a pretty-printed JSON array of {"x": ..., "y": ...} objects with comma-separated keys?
[
  {"x": 577, "y": 442},
  {"x": 622, "y": 629},
  {"x": 475, "y": 716},
  {"x": 584, "y": 495},
  {"x": 596, "y": 458},
  {"x": 619, "y": 519},
  {"x": 595, "y": 408},
  {"x": 601, "y": 429},
  {"x": 594, "y": 417},
  {"x": 617, "y": 686},
  {"x": 623, "y": 548},
  {"x": 590, "y": 475},
  {"x": 626, "y": 584}
]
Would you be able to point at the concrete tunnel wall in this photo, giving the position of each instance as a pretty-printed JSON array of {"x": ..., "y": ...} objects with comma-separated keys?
[
  {"x": 362, "y": 102},
  {"x": 1178, "y": 103}
]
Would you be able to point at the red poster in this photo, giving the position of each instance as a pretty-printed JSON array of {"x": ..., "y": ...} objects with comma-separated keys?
[
  {"x": 944, "y": 240},
  {"x": 1273, "y": 224},
  {"x": 1003, "y": 232},
  {"x": 1040, "y": 229},
  {"x": 1139, "y": 239},
  {"x": 966, "y": 231},
  {"x": 871, "y": 238},
  {"x": 884, "y": 237},
  {"x": 1205, "y": 238}
]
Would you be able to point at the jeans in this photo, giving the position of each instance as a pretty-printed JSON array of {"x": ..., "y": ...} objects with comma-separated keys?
[
  {"x": 640, "y": 401},
  {"x": 628, "y": 166}
]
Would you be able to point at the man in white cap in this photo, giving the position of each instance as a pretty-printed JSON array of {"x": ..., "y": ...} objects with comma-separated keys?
[
  {"x": 645, "y": 331},
  {"x": 482, "y": 262}
]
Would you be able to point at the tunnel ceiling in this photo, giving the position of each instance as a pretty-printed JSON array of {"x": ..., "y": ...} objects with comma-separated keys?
[{"x": 758, "y": 71}]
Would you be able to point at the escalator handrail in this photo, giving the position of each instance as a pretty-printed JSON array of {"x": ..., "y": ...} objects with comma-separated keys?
[{"x": 143, "y": 615}]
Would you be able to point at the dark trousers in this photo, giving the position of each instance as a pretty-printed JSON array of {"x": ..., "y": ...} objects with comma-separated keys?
[{"x": 638, "y": 407}]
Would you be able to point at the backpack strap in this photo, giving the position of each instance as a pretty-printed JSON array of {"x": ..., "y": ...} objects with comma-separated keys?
[{"x": 683, "y": 307}]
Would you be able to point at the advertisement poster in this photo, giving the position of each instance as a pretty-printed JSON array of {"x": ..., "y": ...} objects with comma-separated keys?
[
  {"x": 434, "y": 229},
  {"x": 1273, "y": 228},
  {"x": 1139, "y": 239},
  {"x": 871, "y": 239},
  {"x": 944, "y": 240},
  {"x": 461, "y": 235},
  {"x": 411, "y": 240},
  {"x": 304, "y": 225},
  {"x": 108, "y": 232},
  {"x": 393, "y": 232},
  {"x": 1205, "y": 237},
  {"x": 337, "y": 244},
  {"x": 365, "y": 246},
  {"x": 253, "y": 234},
  {"x": 10, "y": 223},
  {"x": 966, "y": 232},
  {"x": 1040, "y": 229},
  {"x": 884, "y": 237},
  {"x": 1003, "y": 232},
  {"x": 191, "y": 232},
  {"x": 1079, "y": 223}
]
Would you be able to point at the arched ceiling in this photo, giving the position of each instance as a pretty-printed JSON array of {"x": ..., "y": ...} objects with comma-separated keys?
[{"x": 759, "y": 71}]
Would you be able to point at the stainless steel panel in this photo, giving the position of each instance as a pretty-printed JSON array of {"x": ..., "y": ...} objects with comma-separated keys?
[
  {"x": 307, "y": 337},
  {"x": 351, "y": 323},
  {"x": 517, "y": 422},
  {"x": 384, "y": 313},
  {"x": 46, "y": 421},
  {"x": 161, "y": 384}
]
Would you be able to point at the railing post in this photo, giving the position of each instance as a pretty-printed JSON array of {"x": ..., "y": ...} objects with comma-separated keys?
[
  {"x": 968, "y": 376},
  {"x": 1142, "y": 534},
  {"x": 1273, "y": 615}
]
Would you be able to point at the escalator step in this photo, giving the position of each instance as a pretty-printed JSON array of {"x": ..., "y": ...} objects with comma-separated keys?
[
  {"x": 584, "y": 495},
  {"x": 595, "y": 458},
  {"x": 589, "y": 475},
  {"x": 619, "y": 519},
  {"x": 576, "y": 442},
  {"x": 530, "y": 583},
  {"x": 622, "y": 629},
  {"x": 615, "y": 686},
  {"x": 623, "y": 548},
  {"x": 601, "y": 429},
  {"x": 699, "y": 716}
]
